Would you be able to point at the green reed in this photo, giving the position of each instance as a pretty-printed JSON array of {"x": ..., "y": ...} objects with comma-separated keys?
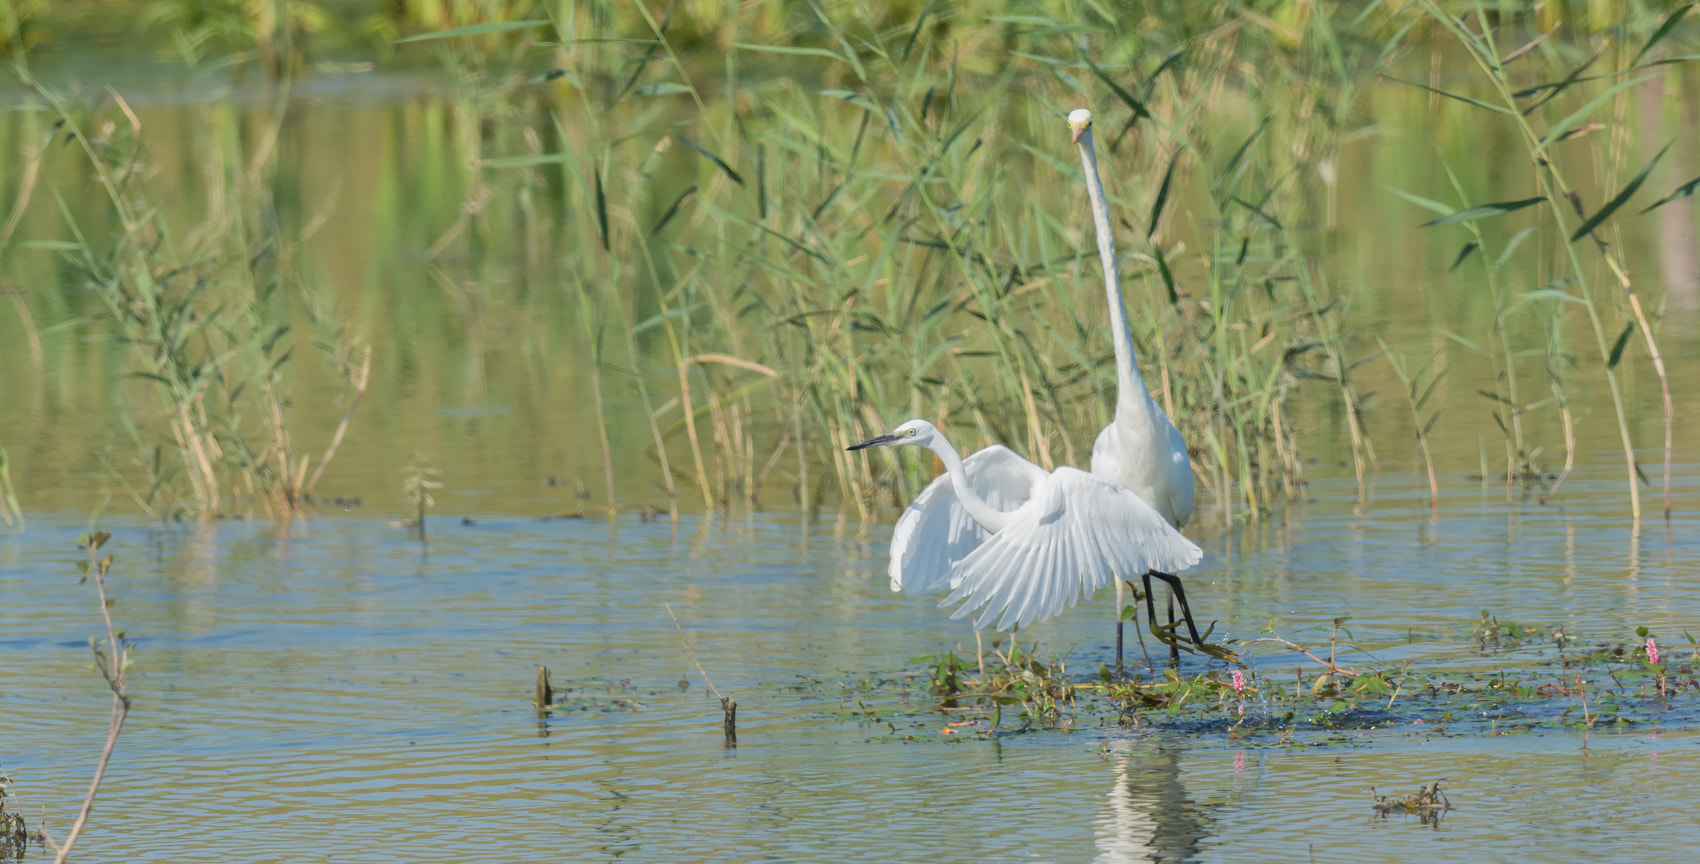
[
  {"x": 202, "y": 316},
  {"x": 1541, "y": 133},
  {"x": 816, "y": 265},
  {"x": 878, "y": 254},
  {"x": 842, "y": 217}
]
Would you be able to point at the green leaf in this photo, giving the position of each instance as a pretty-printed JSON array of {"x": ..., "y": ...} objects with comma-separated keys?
[
  {"x": 1161, "y": 67},
  {"x": 1135, "y": 105},
  {"x": 601, "y": 208},
  {"x": 1168, "y": 277},
  {"x": 1622, "y": 342},
  {"x": 1162, "y": 196},
  {"x": 1662, "y": 32},
  {"x": 665, "y": 88},
  {"x": 1555, "y": 88},
  {"x": 736, "y": 178},
  {"x": 786, "y": 49},
  {"x": 1256, "y": 211},
  {"x": 1426, "y": 203},
  {"x": 1621, "y": 199},
  {"x": 1682, "y": 191},
  {"x": 1462, "y": 254},
  {"x": 1499, "y": 109},
  {"x": 1582, "y": 113},
  {"x": 1549, "y": 291},
  {"x": 530, "y": 160},
  {"x": 1511, "y": 246},
  {"x": 1467, "y": 343},
  {"x": 1484, "y": 211},
  {"x": 477, "y": 30},
  {"x": 1230, "y": 171},
  {"x": 672, "y": 211},
  {"x": 853, "y": 98}
]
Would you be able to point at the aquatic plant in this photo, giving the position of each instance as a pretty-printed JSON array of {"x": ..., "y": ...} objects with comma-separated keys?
[
  {"x": 781, "y": 225},
  {"x": 418, "y": 481},
  {"x": 10, "y": 511},
  {"x": 1428, "y": 803},
  {"x": 112, "y": 658},
  {"x": 15, "y": 835},
  {"x": 203, "y": 320},
  {"x": 1517, "y": 98}
]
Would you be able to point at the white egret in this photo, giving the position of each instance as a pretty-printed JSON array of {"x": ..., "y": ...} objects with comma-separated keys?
[
  {"x": 1141, "y": 450},
  {"x": 1019, "y": 544}
]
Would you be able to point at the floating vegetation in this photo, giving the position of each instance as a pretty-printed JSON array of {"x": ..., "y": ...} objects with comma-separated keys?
[
  {"x": 599, "y": 696},
  {"x": 941, "y": 698},
  {"x": 1427, "y": 803},
  {"x": 15, "y": 835}
]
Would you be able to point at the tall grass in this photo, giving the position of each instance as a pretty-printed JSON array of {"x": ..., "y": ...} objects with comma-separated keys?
[
  {"x": 772, "y": 229},
  {"x": 1518, "y": 99},
  {"x": 203, "y": 317}
]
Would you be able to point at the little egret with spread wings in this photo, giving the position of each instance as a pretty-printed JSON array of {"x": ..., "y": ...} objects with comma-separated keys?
[{"x": 1016, "y": 543}]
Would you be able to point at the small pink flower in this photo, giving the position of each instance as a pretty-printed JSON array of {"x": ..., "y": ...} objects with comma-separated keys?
[
  {"x": 1239, "y": 677},
  {"x": 1652, "y": 651}
]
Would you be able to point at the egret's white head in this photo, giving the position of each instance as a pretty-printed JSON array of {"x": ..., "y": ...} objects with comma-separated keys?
[
  {"x": 914, "y": 432},
  {"x": 1079, "y": 120}
]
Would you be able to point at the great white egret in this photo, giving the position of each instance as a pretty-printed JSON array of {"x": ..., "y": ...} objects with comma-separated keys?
[
  {"x": 1017, "y": 543},
  {"x": 1141, "y": 450}
]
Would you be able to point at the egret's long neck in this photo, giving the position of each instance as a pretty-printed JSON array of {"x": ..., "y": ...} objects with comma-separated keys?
[
  {"x": 990, "y": 518},
  {"x": 1131, "y": 396}
]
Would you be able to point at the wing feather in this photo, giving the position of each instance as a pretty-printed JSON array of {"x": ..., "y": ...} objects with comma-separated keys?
[
  {"x": 935, "y": 533},
  {"x": 1073, "y": 536}
]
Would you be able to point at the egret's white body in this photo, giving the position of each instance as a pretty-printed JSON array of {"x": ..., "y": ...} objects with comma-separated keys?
[
  {"x": 1118, "y": 522},
  {"x": 1019, "y": 544},
  {"x": 1141, "y": 450}
]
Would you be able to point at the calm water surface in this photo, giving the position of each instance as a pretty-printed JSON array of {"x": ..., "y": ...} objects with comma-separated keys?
[{"x": 350, "y": 694}]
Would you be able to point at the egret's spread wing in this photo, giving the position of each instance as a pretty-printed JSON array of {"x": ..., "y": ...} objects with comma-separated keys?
[
  {"x": 1077, "y": 534},
  {"x": 935, "y": 532}
]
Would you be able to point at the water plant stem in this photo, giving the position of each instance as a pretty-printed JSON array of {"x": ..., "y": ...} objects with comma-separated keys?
[{"x": 112, "y": 664}]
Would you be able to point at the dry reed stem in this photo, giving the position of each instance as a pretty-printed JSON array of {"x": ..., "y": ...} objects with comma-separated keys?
[
  {"x": 112, "y": 669},
  {"x": 1569, "y": 453},
  {"x": 359, "y": 381}
]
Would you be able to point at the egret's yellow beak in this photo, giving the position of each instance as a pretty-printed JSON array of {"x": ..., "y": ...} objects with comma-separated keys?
[{"x": 1079, "y": 120}]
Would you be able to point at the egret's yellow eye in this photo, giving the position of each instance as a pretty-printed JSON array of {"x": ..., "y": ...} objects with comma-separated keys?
[{"x": 910, "y": 433}]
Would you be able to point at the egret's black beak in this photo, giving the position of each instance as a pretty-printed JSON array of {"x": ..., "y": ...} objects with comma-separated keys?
[{"x": 882, "y": 440}]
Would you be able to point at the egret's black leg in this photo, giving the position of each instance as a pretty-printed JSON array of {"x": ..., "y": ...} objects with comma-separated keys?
[
  {"x": 1118, "y": 628},
  {"x": 1174, "y": 647},
  {"x": 1179, "y": 594},
  {"x": 1150, "y": 604}
]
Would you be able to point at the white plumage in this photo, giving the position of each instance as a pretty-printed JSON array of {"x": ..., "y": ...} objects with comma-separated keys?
[
  {"x": 935, "y": 532},
  {"x": 1141, "y": 450},
  {"x": 1018, "y": 544}
]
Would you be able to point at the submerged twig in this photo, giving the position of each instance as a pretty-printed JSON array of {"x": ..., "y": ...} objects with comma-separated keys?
[{"x": 727, "y": 706}]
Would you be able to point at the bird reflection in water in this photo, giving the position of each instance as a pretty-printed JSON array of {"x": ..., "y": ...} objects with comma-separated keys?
[{"x": 1146, "y": 816}]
